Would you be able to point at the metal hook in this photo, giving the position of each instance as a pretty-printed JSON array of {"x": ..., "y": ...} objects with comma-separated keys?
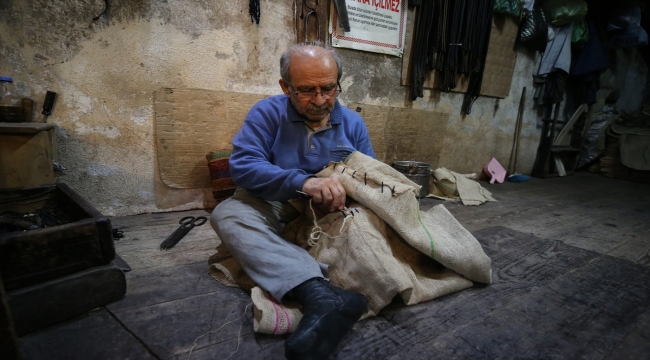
[
  {"x": 315, "y": 14},
  {"x": 312, "y": 11}
]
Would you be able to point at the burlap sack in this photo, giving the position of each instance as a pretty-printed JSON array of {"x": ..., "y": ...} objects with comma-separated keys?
[
  {"x": 442, "y": 186},
  {"x": 392, "y": 197},
  {"x": 367, "y": 256}
]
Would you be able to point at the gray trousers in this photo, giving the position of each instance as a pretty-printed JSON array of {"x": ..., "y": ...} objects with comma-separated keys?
[{"x": 250, "y": 228}]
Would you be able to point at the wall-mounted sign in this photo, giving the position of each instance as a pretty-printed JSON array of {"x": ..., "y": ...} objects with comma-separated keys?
[{"x": 375, "y": 25}]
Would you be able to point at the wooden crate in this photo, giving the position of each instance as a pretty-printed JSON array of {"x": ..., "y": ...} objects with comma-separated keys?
[
  {"x": 8, "y": 338},
  {"x": 26, "y": 154},
  {"x": 38, "y": 306},
  {"x": 33, "y": 256}
]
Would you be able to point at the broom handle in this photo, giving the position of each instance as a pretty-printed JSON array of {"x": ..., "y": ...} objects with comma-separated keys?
[
  {"x": 522, "y": 105},
  {"x": 512, "y": 166}
]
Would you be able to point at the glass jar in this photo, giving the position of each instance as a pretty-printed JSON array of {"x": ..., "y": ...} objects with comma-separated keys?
[
  {"x": 11, "y": 109},
  {"x": 7, "y": 94}
]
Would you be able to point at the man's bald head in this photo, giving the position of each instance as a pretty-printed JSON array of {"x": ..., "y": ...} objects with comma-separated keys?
[{"x": 314, "y": 50}]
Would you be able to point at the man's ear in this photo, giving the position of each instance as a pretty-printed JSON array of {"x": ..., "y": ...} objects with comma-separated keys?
[{"x": 285, "y": 88}]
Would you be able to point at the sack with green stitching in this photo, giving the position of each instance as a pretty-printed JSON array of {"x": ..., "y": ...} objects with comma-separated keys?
[
  {"x": 391, "y": 196},
  {"x": 366, "y": 255}
]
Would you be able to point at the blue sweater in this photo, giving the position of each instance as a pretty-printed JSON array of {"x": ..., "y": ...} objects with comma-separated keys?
[{"x": 273, "y": 153}]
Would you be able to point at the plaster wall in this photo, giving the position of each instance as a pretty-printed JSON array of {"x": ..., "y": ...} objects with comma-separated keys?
[{"x": 107, "y": 70}]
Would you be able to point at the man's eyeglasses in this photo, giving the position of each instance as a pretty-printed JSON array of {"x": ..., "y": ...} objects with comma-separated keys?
[{"x": 325, "y": 93}]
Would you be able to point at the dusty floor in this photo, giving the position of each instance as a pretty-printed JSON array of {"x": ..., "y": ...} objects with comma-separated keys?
[{"x": 571, "y": 263}]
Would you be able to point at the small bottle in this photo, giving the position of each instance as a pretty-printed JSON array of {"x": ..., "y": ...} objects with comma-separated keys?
[{"x": 7, "y": 95}]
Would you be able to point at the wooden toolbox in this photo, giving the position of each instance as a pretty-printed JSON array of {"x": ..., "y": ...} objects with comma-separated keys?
[
  {"x": 60, "y": 271},
  {"x": 82, "y": 241},
  {"x": 50, "y": 302}
]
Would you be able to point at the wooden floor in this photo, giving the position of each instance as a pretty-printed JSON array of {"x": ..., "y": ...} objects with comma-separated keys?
[{"x": 571, "y": 260}]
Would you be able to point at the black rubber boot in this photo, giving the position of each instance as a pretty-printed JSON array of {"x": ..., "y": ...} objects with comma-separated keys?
[{"x": 328, "y": 314}]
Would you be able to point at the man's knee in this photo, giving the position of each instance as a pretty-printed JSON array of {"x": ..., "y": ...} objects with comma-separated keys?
[
  {"x": 221, "y": 213},
  {"x": 233, "y": 214}
]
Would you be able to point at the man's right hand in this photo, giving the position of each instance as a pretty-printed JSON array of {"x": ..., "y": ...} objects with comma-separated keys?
[{"x": 327, "y": 193}]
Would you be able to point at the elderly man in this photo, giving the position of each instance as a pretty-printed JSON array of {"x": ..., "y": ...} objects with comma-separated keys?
[{"x": 284, "y": 141}]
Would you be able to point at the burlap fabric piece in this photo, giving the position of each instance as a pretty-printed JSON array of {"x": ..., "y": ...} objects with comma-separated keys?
[
  {"x": 392, "y": 197},
  {"x": 366, "y": 255},
  {"x": 448, "y": 185},
  {"x": 226, "y": 270},
  {"x": 270, "y": 317}
]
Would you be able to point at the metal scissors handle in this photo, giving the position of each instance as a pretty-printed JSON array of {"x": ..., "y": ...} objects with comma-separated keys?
[
  {"x": 187, "y": 224},
  {"x": 192, "y": 221}
]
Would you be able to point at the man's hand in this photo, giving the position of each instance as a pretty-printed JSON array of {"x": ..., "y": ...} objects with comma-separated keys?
[{"x": 327, "y": 193}]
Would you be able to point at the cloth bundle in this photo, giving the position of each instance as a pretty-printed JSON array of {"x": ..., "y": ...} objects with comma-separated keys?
[
  {"x": 448, "y": 185},
  {"x": 635, "y": 145},
  {"x": 222, "y": 185},
  {"x": 381, "y": 246}
]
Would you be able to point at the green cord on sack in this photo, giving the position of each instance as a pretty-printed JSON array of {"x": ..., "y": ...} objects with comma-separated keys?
[{"x": 428, "y": 233}]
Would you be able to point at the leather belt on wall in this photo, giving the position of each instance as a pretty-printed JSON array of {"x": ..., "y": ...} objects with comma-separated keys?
[{"x": 452, "y": 37}]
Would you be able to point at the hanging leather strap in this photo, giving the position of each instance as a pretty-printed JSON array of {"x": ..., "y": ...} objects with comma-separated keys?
[
  {"x": 342, "y": 12},
  {"x": 419, "y": 54},
  {"x": 484, "y": 23}
]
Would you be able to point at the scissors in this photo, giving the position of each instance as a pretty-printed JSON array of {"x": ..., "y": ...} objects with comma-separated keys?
[{"x": 187, "y": 224}]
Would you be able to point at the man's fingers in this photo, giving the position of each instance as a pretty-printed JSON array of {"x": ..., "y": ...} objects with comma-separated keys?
[
  {"x": 338, "y": 197},
  {"x": 326, "y": 191}
]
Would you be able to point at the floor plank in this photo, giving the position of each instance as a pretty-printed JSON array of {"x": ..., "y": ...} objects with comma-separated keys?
[
  {"x": 93, "y": 336},
  {"x": 170, "y": 328},
  {"x": 140, "y": 247},
  {"x": 159, "y": 285}
]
